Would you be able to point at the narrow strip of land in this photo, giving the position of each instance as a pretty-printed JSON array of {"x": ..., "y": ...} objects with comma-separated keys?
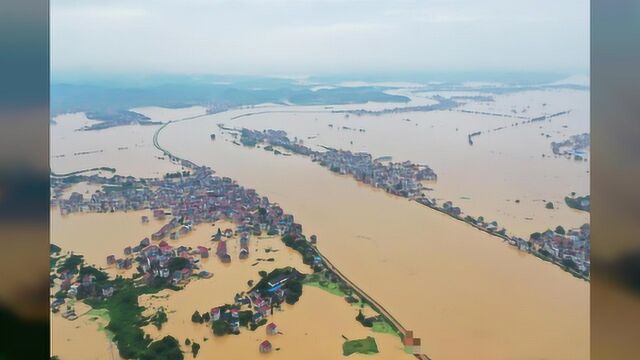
[{"x": 361, "y": 293}]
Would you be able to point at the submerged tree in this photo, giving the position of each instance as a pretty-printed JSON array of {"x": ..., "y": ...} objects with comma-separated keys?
[
  {"x": 195, "y": 348},
  {"x": 196, "y": 317}
]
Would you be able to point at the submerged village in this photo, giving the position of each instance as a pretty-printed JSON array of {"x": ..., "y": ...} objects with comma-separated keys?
[
  {"x": 569, "y": 249},
  {"x": 186, "y": 199}
]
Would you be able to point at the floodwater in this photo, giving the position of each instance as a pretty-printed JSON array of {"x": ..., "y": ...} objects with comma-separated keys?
[
  {"x": 95, "y": 235},
  {"x": 128, "y": 149},
  {"x": 485, "y": 179},
  {"x": 310, "y": 329},
  {"x": 81, "y": 339},
  {"x": 98, "y": 235},
  {"x": 465, "y": 293}
]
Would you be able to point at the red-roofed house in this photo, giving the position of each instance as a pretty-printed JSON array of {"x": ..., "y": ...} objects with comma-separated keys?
[
  {"x": 215, "y": 313},
  {"x": 204, "y": 252},
  {"x": 272, "y": 329},
  {"x": 265, "y": 346}
]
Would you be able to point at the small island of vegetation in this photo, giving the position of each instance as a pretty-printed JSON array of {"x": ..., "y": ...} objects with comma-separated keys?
[
  {"x": 579, "y": 203},
  {"x": 361, "y": 346}
]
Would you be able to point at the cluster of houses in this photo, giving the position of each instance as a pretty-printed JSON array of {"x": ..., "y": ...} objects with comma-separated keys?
[
  {"x": 157, "y": 261},
  {"x": 448, "y": 207},
  {"x": 199, "y": 197},
  {"x": 85, "y": 286},
  {"x": 575, "y": 146},
  {"x": 403, "y": 179},
  {"x": 253, "y": 309},
  {"x": 276, "y": 138},
  {"x": 572, "y": 248},
  {"x": 78, "y": 287}
]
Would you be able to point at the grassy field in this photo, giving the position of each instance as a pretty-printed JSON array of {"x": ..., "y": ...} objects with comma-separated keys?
[
  {"x": 383, "y": 327},
  {"x": 102, "y": 314},
  {"x": 319, "y": 281},
  {"x": 360, "y": 346}
]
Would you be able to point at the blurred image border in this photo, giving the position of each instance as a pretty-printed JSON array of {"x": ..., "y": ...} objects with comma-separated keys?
[
  {"x": 24, "y": 179},
  {"x": 615, "y": 175}
]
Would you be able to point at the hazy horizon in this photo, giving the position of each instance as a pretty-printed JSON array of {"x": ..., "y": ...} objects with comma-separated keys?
[{"x": 291, "y": 38}]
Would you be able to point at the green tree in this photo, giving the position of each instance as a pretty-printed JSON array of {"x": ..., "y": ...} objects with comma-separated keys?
[
  {"x": 71, "y": 264},
  {"x": 195, "y": 348},
  {"x": 560, "y": 230},
  {"x": 220, "y": 327},
  {"x": 177, "y": 263},
  {"x": 196, "y": 317},
  {"x": 100, "y": 276},
  {"x": 159, "y": 318},
  {"x": 54, "y": 249},
  {"x": 570, "y": 264},
  {"x": 167, "y": 348}
]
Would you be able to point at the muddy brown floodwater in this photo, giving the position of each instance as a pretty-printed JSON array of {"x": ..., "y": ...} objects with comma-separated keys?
[{"x": 465, "y": 293}]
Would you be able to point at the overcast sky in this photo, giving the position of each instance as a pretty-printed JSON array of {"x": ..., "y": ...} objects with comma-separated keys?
[{"x": 297, "y": 38}]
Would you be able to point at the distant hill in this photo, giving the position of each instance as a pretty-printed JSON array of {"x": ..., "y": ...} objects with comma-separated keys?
[{"x": 115, "y": 99}]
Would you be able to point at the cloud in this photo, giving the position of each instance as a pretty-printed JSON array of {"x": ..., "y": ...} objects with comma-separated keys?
[{"x": 291, "y": 36}]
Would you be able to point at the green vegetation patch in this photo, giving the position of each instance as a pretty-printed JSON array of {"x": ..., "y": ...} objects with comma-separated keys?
[
  {"x": 382, "y": 326},
  {"x": 579, "y": 203},
  {"x": 319, "y": 281},
  {"x": 70, "y": 264},
  {"x": 159, "y": 318},
  {"x": 52, "y": 262},
  {"x": 195, "y": 348},
  {"x": 126, "y": 321},
  {"x": 166, "y": 349},
  {"x": 302, "y": 246},
  {"x": 54, "y": 249},
  {"x": 220, "y": 327},
  {"x": 101, "y": 313},
  {"x": 361, "y": 346}
]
